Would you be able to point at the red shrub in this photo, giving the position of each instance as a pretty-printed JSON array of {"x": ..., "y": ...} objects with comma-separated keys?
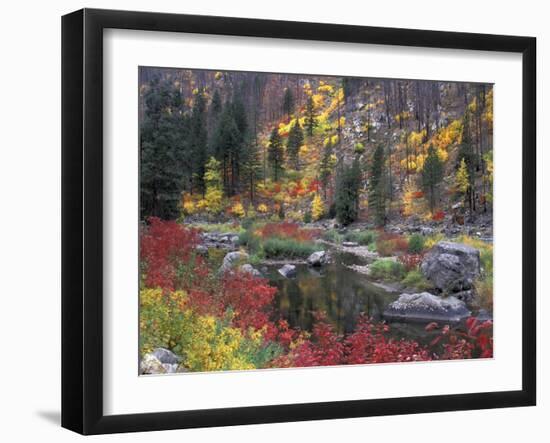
[
  {"x": 438, "y": 216},
  {"x": 250, "y": 299},
  {"x": 476, "y": 342},
  {"x": 167, "y": 252},
  {"x": 367, "y": 344},
  {"x": 314, "y": 186},
  {"x": 418, "y": 194},
  {"x": 411, "y": 261},
  {"x": 389, "y": 243},
  {"x": 289, "y": 230}
]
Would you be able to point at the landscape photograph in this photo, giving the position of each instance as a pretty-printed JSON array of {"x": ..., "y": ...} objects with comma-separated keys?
[{"x": 298, "y": 220}]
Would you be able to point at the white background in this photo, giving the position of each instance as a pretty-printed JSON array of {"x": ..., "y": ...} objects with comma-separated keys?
[
  {"x": 30, "y": 223},
  {"x": 126, "y": 393}
]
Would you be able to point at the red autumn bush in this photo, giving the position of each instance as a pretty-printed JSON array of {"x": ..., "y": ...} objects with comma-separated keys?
[
  {"x": 475, "y": 342},
  {"x": 367, "y": 344},
  {"x": 411, "y": 261},
  {"x": 438, "y": 216},
  {"x": 249, "y": 298},
  {"x": 314, "y": 186},
  {"x": 167, "y": 252},
  {"x": 289, "y": 230},
  {"x": 388, "y": 243}
]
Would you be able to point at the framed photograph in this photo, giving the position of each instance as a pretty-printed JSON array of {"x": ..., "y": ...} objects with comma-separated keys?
[{"x": 270, "y": 221}]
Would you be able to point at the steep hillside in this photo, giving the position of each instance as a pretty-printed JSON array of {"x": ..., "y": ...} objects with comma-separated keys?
[{"x": 303, "y": 148}]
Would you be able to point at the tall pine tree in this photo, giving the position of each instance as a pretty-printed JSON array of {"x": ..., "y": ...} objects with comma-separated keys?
[
  {"x": 275, "y": 154},
  {"x": 377, "y": 192},
  {"x": 288, "y": 103},
  {"x": 432, "y": 174},
  {"x": 467, "y": 153},
  {"x": 294, "y": 142},
  {"x": 311, "y": 119},
  {"x": 165, "y": 154},
  {"x": 198, "y": 138},
  {"x": 347, "y": 192}
]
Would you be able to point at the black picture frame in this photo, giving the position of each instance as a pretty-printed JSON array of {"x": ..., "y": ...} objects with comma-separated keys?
[{"x": 82, "y": 218}]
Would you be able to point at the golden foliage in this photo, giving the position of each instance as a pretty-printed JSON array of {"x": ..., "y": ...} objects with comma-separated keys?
[{"x": 317, "y": 207}]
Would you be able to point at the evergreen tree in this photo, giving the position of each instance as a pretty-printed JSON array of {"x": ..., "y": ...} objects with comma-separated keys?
[
  {"x": 311, "y": 120},
  {"x": 216, "y": 104},
  {"x": 294, "y": 142},
  {"x": 214, "y": 113},
  {"x": 347, "y": 193},
  {"x": 165, "y": 157},
  {"x": 432, "y": 174},
  {"x": 275, "y": 153},
  {"x": 198, "y": 139},
  {"x": 466, "y": 152},
  {"x": 377, "y": 193},
  {"x": 288, "y": 103},
  {"x": 226, "y": 139},
  {"x": 251, "y": 167},
  {"x": 241, "y": 122}
]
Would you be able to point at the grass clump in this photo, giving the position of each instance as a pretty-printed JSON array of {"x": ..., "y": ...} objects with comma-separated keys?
[
  {"x": 275, "y": 248},
  {"x": 385, "y": 269},
  {"x": 233, "y": 228},
  {"x": 484, "y": 284},
  {"x": 364, "y": 238},
  {"x": 415, "y": 279},
  {"x": 333, "y": 236}
]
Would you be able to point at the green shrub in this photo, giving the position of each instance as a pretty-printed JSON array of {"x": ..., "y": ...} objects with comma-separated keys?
[
  {"x": 362, "y": 237},
  {"x": 385, "y": 269},
  {"x": 333, "y": 236},
  {"x": 415, "y": 279},
  {"x": 249, "y": 240},
  {"x": 416, "y": 244},
  {"x": 247, "y": 223},
  {"x": 307, "y": 217},
  {"x": 274, "y": 248}
]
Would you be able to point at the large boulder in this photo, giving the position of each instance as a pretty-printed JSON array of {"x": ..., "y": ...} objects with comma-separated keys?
[
  {"x": 451, "y": 267},
  {"x": 288, "y": 271},
  {"x": 233, "y": 259},
  {"x": 318, "y": 258},
  {"x": 426, "y": 307},
  {"x": 165, "y": 356},
  {"x": 150, "y": 364}
]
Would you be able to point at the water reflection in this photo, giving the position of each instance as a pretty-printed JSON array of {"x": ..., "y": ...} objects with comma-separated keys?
[{"x": 340, "y": 292}]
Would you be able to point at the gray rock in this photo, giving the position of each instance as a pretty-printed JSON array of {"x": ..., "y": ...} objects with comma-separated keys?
[
  {"x": 288, "y": 271},
  {"x": 150, "y": 364},
  {"x": 426, "y": 230},
  {"x": 165, "y": 356},
  {"x": 426, "y": 307},
  {"x": 233, "y": 259},
  {"x": 170, "y": 368},
  {"x": 250, "y": 269},
  {"x": 318, "y": 258},
  {"x": 234, "y": 240},
  {"x": 350, "y": 244},
  {"x": 484, "y": 315},
  {"x": 467, "y": 295},
  {"x": 451, "y": 267},
  {"x": 202, "y": 250}
]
